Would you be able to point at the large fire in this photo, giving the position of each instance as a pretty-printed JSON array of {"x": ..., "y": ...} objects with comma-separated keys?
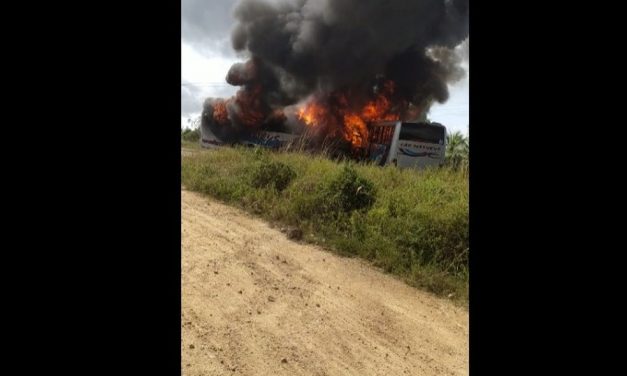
[
  {"x": 220, "y": 114},
  {"x": 249, "y": 109},
  {"x": 337, "y": 111},
  {"x": 312, "y": 114},
  {"x": 342, "y": 114}
]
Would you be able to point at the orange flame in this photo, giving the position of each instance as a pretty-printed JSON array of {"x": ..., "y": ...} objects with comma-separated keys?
[
  {"x": 355, "y": 130},
  {"x": 312, "y": 114},
  {"x": 248, "y": 106},
  {"x": 336, "y": 114},
  {"x": 219, "y": 112},
  {"x": 353, "y": 123}
]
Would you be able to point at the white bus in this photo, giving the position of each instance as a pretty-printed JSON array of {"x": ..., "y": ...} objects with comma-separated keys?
[{"x": 407, "y": 144}]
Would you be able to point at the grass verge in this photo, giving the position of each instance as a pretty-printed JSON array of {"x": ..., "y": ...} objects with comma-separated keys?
[{"x": 413, "y": 224}]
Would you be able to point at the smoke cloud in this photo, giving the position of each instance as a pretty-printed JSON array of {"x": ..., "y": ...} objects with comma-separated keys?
[{"x": 303, "y": 49}]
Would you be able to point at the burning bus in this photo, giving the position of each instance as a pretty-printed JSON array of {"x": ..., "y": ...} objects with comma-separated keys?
[
  {"x": 267, "y": 139},
  {"x": 271, "y": 134},
  {"x": 404, "y": 144}
]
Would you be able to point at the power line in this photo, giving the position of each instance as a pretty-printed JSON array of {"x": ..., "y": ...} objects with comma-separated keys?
[{"x": 206, "y": 84}]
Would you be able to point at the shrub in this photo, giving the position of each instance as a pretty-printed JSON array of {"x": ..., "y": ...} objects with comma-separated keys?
[
  {"x": 276, "y": 175},
  {"x": 349, "y": 191},
  {"x": 191, "y": 135}
]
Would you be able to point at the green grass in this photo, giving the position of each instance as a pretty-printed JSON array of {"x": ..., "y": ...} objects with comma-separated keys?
[
  {"x": 190, "y": 144},
  {"x": 413, "y": 224}
]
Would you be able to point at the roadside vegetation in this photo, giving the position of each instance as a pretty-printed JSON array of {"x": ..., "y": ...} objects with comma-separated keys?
[{"x": 413, "y": 224}]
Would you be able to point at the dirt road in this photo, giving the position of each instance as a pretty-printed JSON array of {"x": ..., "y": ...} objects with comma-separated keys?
[{"x": 256, "y": 303}]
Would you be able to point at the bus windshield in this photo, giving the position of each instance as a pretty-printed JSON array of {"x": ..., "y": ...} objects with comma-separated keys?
[
  {"x": 380, "y": 137},
  {"x": 422, "y": 132}
]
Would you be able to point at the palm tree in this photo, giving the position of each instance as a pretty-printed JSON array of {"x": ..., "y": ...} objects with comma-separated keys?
[{"x": 456, "y": 149}]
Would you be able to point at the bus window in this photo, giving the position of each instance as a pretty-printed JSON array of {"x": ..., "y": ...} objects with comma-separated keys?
[
  {"x": 382, "y": 135},
  {"x": 421, "y": 132}
]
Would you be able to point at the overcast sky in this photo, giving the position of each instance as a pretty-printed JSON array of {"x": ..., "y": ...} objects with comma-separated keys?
[{"x": 206, "y": 56}]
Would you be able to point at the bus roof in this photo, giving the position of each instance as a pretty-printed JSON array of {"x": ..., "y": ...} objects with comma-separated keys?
[
  {"x": 394, "y": 122},
  {"x": 385, "y": 122}
]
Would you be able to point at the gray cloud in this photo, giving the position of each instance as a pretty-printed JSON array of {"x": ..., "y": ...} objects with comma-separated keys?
[
  {"x": 464, "y": 50},
  {"x": 192, "y": 96},
  {"x": 191, "y": 101},
  {"x": 206, "y": 25}
]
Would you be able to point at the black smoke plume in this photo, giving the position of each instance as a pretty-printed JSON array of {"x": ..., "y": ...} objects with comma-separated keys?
[{"x": 315, "y": 48}]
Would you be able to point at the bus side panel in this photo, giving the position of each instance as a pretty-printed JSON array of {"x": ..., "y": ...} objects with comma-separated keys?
[
  {"x": 412, "y": 154},
  {"x": 273, "y": 140}
]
